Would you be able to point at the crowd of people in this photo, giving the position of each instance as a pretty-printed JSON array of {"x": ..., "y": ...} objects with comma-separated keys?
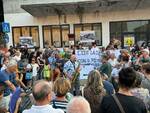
[{"x": 48, "y": 81}]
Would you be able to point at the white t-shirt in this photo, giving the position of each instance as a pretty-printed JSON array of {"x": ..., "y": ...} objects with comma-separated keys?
[
  {"x": 115, "y": 72},
  {"x": 113, "y": 62},
  {"x": 95, "y": 49},
  {"x": 43, "y": 109},
  {"x": 17, "y": 58},
  {"x": 34, "y": 68}
]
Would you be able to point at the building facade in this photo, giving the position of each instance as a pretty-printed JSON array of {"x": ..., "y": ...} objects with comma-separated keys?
[{"x": 50, "y": 22}]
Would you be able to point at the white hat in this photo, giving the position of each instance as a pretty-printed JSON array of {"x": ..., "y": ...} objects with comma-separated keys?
[
  {"x": 146, "y": 50},
  {"x": 12, "y": 62}
]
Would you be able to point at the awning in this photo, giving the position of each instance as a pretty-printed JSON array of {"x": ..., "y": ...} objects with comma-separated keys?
[{"x": 84, "y": 7}]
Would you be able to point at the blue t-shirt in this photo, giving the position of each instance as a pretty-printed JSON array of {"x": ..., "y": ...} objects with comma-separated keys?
[
  {"x": 14, "y": 98},
  {"x": 5, "y": 76},
  {"x": 12, "y": 78},
  {"x": 108, "y": 87}
]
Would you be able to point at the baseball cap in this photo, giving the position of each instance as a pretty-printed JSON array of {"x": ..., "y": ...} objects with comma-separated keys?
[{"x": 146, "y": 50}]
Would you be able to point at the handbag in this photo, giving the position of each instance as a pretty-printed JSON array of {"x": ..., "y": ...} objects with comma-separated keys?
[
  {"x": 28, "y": 75},
  {"x": 118, "y": 103}
]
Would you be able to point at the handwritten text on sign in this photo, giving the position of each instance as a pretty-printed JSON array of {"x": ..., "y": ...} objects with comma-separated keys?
[{"x": 89, "y": 59}]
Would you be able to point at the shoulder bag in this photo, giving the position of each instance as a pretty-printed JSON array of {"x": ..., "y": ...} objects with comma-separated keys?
[{"x": 118, "y": 103}]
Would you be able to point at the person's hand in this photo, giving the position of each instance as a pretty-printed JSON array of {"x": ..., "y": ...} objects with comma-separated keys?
[
  {"x": 141, "y": 56},
  {"x": 70, "y": 77},
  {"x": 18, "y": 101},
  {"x": 78, "y": 70}
]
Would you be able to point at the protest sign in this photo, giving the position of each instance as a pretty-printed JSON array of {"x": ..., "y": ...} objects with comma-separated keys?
[
  {"x": 89, "y": 60},
  {"x": 129, "y": 40}
]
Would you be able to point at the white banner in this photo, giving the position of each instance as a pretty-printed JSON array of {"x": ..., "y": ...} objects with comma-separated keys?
[{"x": 89, "y": 60}]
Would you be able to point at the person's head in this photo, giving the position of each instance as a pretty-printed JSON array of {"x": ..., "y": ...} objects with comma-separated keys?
[
  {"x": 7, "y": 54},
  {"x": 17, "y": 53},
  {"x": 57, "y": 71},
  {"x": 80, "y": 46},
  {"x": 73, "y": 57},
  {"x": 61, "y": 86},
  {"x": 42, "y": 92},
  {"x": 127, "y": 77},
  {"x": 95, "y": 81},
  {"x": 33, "y": 61},
  {"x": 58, "y": 56},
  {"x": 65, "y": 49},
  {"x": 112, "y": 56},
  {"x": 145, "y": 52},
  {"x": 12, "y": 66},
  {"x": 103, "y": 49},
  {"x": 2, "y": 88},
  {"x": 138, "y": 81},
  {"x": 78, "y": 105},
  {"x": 39, "y": 54},
  {"x": 11, "y": 47},
  {"x": 94, "y": 44},
  {"x": 5, "y": 61},
  {"x": 46, "y": 61},
  {"x": 125, "y": 58},
  {"x": 3, "y": 110},
  {"x": 105, "y": 58},
  {"x": 146, "y": 69}
]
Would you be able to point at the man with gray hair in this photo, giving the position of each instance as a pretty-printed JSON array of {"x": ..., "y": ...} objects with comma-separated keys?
[
  {"x": 78, "y": 105},
  {"x": 7, "y": 78},
  {"x": 42, "y": 93}
]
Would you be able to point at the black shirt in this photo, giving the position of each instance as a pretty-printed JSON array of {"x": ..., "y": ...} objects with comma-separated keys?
[{"x": 130, "y": 104}]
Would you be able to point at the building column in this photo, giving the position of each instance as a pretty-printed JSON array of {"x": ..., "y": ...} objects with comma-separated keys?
[
  {"x": 105, "y": 33},
  {"x": 41, "y": 36},
  {"x": 10, "y": 43},
  {"x": 71, "y": 29}
]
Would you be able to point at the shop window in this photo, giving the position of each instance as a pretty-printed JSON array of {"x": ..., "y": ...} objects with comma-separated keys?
[
  {"x": 47, "y": 35},
  {"x": 141, "y": 37},
  {"x": 16, "y": 35},
  {"x": 115, "y": 27},
  {"x": 89, "y": 27},
  {"x": 98, "y": 33},
  {"x": 139, "y": 29},
  {"x": 35, "y": 35},
  {"x": 26, "y": 31},
  {"x": 77, "y": 29},
  {"x": 135, "y": 26},
  {"x": 65, "y": 32},
  {"x": 56, "y": 35}
]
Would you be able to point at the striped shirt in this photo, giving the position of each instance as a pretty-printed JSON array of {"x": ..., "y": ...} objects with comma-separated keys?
[{"x": 59, "y": 104}]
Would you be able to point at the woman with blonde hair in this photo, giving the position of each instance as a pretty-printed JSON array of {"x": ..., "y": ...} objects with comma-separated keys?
[
  {"x": 94, "y": 90},
  {"x": 61, "y": 88}
]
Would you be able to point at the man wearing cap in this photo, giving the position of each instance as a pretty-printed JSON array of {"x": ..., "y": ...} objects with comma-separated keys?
[
  {"x": 144, "y": 57},
  {"x": 7, "y": 77}
]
